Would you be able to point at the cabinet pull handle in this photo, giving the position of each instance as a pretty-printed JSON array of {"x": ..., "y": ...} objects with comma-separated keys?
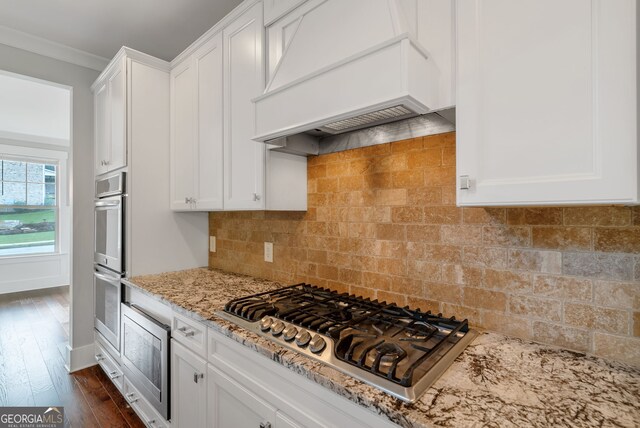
[
  {"x": 114, "y": 375},
  {"x": 130, "y": 398},
  {"x": 186, "y": 333},
  {"x": 197, "y": 376},
  {"x": 256, "y": 197},
  {"x": 99, "y": 357},
  {"x": 265, "y": 424},
  {"x": 151, "y": 423},
  {"x": 465, "y": 182}
]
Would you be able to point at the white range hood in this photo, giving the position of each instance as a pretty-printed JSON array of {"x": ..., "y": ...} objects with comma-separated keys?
[{"x": 349, "y": 64}]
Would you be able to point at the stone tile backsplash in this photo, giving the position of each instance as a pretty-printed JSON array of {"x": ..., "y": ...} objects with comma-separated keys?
[{"x": 382, "y": 223}]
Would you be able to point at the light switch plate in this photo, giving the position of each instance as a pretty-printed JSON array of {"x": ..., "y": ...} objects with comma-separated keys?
[
  {"x": 212, "y": 244},
  {"x": 268, "y": 252}
]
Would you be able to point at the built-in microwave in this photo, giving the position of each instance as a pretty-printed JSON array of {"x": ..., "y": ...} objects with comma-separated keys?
[
  {"x": 109, "y": 223},
  {"x": 145, "y": 355}
]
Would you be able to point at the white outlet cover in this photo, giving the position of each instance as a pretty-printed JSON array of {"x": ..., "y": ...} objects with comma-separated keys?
[
  {"x": 212, "y": 244},
  {"x": 268, "y": 252}
]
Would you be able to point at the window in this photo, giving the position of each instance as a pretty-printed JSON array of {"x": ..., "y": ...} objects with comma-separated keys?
[{"x": 28, "y": 207}]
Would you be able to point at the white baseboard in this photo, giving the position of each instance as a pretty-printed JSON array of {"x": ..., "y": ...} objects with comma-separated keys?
[{"x": 81, "y": 357}]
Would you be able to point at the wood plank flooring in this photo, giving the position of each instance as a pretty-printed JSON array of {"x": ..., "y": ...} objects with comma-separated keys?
[{"x": 34, "y": 331}]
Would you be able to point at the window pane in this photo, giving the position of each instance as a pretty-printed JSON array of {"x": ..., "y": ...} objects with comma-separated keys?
[
  {"x": 35, "y": 173},
  {"x": 49, "y": 173},
  {"x": 14, "y": 171},
  {"x": 13, "y": 193},
  {"x": 35, "y": 194},
  {"x": 27, "y": 231},
  {"x": 50, "y": 194}
]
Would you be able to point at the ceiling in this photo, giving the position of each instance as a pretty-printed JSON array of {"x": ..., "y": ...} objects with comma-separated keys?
[{"x": 162, "y": 28}]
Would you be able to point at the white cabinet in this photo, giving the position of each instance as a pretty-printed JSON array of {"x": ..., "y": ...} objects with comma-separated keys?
[
  {"x": 196, "y": 129},
  {"x": 547, "y": 102},
  {"x": 188, "y": 388},
  {"x": 110, "y": 100},
  {"x": 244, "y": 159},
  {"x": 232, "y": 405}
]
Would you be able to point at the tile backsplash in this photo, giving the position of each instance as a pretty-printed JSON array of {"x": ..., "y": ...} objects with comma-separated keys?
[{"x": 382, "y": 223}]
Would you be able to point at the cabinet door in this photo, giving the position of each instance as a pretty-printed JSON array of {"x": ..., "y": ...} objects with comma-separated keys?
[
  {"x": 183, "y": 143},
  {"x": 243, "y": 81},
  {"x": 230, "y": 405},
  {"x": 188, "y": 388},
  {"x": 101, "y": 112},
  {"x": 209, "y": 129},
  {"x": 117, "y": 86},
  {"x": 545, "y": 102}
]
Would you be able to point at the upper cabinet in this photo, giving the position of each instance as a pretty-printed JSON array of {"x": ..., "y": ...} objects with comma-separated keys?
[
  {"x": 196, "y": 129},
  {"x": 547, "y": 102},
  {"x": 215, "y": 164},
  {"x": 110, "y": 98}
]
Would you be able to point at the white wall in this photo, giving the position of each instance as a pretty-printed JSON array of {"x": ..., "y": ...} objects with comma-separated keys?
[{"x": 80, "y": 78}]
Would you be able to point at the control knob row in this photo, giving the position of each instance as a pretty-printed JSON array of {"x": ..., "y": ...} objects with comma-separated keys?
[{"x": 290, "y": 332}]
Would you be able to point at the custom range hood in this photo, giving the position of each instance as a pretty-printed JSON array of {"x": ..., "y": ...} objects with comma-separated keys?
[{"x": 353, "y": 64}]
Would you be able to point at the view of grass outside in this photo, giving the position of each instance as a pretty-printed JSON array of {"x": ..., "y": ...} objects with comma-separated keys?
[{"x": 27, "y": 208}]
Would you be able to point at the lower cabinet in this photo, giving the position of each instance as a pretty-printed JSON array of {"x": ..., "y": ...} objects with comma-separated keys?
[
  {"x": 188, "y": 388},
  {"x": 142, "y": 407}
]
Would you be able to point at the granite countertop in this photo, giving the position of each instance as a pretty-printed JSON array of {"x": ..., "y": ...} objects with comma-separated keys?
[{"x": 497, "y": 382}]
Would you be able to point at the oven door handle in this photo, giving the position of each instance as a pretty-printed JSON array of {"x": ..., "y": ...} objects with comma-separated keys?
[
  {"x": 107, "y": 203},
  {"x": 105, "y": 277}
]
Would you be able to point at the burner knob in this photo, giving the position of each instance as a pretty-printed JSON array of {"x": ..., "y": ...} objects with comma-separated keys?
[
  {"x": 317, "y": 344},
  {"x": 303, "y": 338},
  {"x": 277, "y": 327},
  {"x": 265, "y": 323},
  {"x": 289, "y": 333}
]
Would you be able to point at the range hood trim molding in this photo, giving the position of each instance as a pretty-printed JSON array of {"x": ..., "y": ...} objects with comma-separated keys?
[
  {"x": 405, "y": 36},
  {"x": 404, "y": 42}
]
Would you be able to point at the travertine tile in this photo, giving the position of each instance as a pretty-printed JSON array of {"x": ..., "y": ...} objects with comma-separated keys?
[
  {"x": 598, "y": 265},
  {"x": 390, "y": 197},
  {"x": 517, "y": 282},
  {"x": 625, "y": 295},
  {"x": 559, "y": 335},
  {"x": 485, "y": 299},
  {"x": 393, "y": 232},
  {"x": 442, "y": 253},
  {"x": 442, "y": 215},
  {"x": 495, "y": 216},
  {"x": 562, "y": 238},
  {"x": 407, "y": 214},
  {"x": 462, "y": 235},
  {"x": 423, "y": 304},
  {"x": 464, "y": 275},
  {"x": 507, "y": 324},
  {"x": 534, "y": 216},
  {"x": 622, "y": 240},
  {"x": 596, "y": 318},
  {"x": 636, "y": 324},
  {"x": 424, "y": 196},
  {"x": 392, "y": 266},
  {"x": 443, "y": 292},
  {"x": 423, "y": 233},
  {"x": 618, "y": 348},
  {"x": 425, "y": 158},
  {"x": 386, "y": 296},
  {"x": 407, "y": 286},
  {"x": 462, "y": 312},
  {"x": 485, "y": 256},
  {"x": 563, "y": 287},
  {"x": 440, "y": 176},
  {"x": 411, "y": 178},
  {"x": 424, "y": 269},
  {"x": 597, "y": 216},
  {"x": 547, "y": 309},
  {"x": 536, "y": 260},
  {"x": 506, "y": 236},
  {"x": 403, "y": 146}
]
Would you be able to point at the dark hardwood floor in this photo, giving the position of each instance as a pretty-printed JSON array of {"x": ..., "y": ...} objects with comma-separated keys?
[{"x": 34, "y": 331}]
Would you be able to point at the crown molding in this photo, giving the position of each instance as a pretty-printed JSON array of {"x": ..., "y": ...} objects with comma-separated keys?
[{"x": 44, "y": 47}]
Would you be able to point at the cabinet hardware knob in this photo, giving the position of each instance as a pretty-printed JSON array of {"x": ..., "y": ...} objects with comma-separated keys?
[
  {"x": 197, "y": 376},
  {"x": 465, "y": 182},
  {"x": 265, "y": 424},
  {"x": 256, "y": 197}
]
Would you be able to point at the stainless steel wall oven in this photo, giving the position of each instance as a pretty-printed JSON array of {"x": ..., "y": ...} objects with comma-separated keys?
[{"x": 109, "y": 266}]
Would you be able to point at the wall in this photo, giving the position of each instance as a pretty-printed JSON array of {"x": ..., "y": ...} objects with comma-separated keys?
[
  {"x": 382, "y": 223},
  {"x": 80, "y": 78}
]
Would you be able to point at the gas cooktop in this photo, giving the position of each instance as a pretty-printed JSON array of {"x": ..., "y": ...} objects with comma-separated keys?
[{"x": 399, "y": 350}]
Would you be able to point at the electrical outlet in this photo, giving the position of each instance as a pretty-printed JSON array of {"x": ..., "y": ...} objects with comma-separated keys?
[
  {"x": 268, "y": 252},
  {"x": 212, "y": 244}
]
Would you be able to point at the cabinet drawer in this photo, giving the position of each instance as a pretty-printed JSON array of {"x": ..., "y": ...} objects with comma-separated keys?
[
  {"x": 142, "y": 407},
  {"x": 190, "y": 333},
  {"x": 110, "y": 366}
]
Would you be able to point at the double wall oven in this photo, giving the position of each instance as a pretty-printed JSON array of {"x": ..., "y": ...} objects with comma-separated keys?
[{"x": 108, "y": 256}]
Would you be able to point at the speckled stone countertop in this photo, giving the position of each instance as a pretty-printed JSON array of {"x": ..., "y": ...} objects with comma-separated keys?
[{"x": 497, "y": 382}]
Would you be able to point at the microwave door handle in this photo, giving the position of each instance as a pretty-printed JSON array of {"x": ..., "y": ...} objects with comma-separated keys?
[
  {"x": 107, "y": 203},
  {"x": 105, "y": 277}
]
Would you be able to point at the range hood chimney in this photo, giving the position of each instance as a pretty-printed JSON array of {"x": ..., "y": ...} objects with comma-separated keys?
[{"x": 348, "y": 65}]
